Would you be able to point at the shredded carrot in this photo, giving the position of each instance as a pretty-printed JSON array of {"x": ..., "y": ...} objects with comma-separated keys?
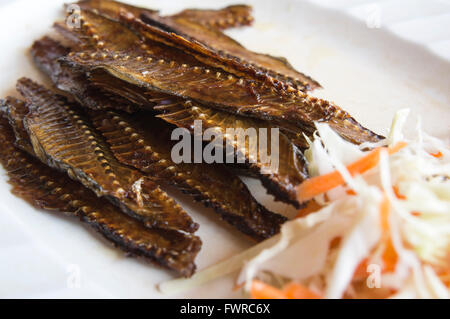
[
  {"x": 321, "y": 184},
  {"x": 261, "y": 290},
  {"x": 311, "y": 207},
  {"x": 397, "y": 193},
  {"x": 414, "y": 213},
  {"x": 350, "y": 192},
  {"x": 438, "y": 154},
  {"x": 389, "y": 256},
  {"x": 361, "y": 270},
  {"x": 297, "y": 291}
]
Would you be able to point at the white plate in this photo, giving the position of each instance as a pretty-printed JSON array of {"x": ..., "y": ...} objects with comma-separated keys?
[{"x": 372, "y": 58}]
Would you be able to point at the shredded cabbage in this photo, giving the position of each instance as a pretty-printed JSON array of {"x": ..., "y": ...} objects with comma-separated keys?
[{"x": 324, "y": 250}]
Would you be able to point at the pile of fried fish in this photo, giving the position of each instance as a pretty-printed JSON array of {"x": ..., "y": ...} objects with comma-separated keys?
[{"x": 98, "y": 144}]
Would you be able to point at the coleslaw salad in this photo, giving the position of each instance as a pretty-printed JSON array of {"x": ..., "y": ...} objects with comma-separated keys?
[{"x": 376, "y": 225}]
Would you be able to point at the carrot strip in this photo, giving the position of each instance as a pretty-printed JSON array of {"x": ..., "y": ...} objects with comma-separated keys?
[
  {"x": 361, "y": 270},
  {"x": 261, "y": 290},
  {"x": 311, "y": 207},
  {"x": 297, "y": 291},
  {"x": 397, "y": 193},
  {"x": 437, "y": 155},
  {"x": 384, "y": 214},
  {"x": 390, "y": 256},
  {"x": 321, "y": 184}
]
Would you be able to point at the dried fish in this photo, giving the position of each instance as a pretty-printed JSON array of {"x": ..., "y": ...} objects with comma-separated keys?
[
  {"x": 209, "y": 45},
  {"x": 143, "y": 141},
  {"x": 171, "y": 71},
  {"x": 64, "y": 138},
  {"x": 279, "y": 179},
  {"x": 49, "y": 189},
  {"x": 174, "y": 109},
  {"x": 15, "y": 110},
  {"x": 104, "y": 157},
  {"x": 46, "y": 52}
]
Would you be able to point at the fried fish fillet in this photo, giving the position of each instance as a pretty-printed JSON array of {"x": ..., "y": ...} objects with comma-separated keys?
[
  {"x": 50, "y": 189},
  {"x": 209, "y": 44},
  {"x": 281, "y": 183},
  {"x": 157, "y": 67},
  {"x": 64, "y": 139},
  {"x": 15, "y": 111}
]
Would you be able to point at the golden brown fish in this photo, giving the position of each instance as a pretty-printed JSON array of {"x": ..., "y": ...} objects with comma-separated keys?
[
  {"x": 159, "y": 68},
  {"x": 49, "y": 189},
  {"x": 144, "y": 142}
]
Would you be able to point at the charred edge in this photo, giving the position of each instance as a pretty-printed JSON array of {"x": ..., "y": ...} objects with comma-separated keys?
[
  {"x": 134, "y": 249},
  {"x": 274, "y": 189}
]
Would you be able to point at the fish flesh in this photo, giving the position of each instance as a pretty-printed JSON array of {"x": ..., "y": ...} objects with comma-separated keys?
[
  {"x": 281, "y": 182},
  {"x": 52, "y": 190},
  {"x": 64, "y": 139}
]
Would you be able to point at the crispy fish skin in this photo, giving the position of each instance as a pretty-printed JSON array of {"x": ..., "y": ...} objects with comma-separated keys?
[
  {"x": 15, "y": 110},
  {"x": 171, "y": 71},
  {"x": 63, "y": 138},
  {"x": 228, "y": 17},
  {"x": 112, "y": 8},
  {"x": 280, "y": 180},
  {"x": 49, "y": 189},
  {"x": 283, "y": 188},
  {"x": 143, "y": 142},
  {"x": 45, "y": 53},
  {"x": 216, "y": 49},
  {"x": 210, "y": 45},
  {"x": 100, "y": 90}
]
